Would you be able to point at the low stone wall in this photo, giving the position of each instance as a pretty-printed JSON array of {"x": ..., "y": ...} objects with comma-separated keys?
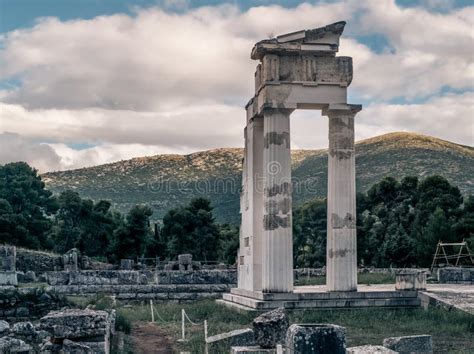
[
  {"x": 37, "y": 261},
  {"x": 180, "y": 292},
  {"x": 142, "y": 285},
  {"x": 313, "y": 272},
  {"x": 18, "y": 304},
  {"x": 141, "y": 277},
  {"x": 66, "y": 331},
  {"x": 456, "y": 275}
]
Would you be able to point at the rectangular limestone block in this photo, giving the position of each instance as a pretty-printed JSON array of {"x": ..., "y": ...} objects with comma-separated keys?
[
  {"x": 410, "y": 280},
  {"x": 456, "y": 275},
  {"x": 8, "y": 278},
  {"x": 73, "y": 323},
  {"x": 421, "y": 344},
  {"x": 316, "y": 339}
]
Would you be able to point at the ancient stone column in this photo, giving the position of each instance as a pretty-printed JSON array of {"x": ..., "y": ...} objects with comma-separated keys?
[
  {"x": 250, "y": 253},
  {"x": 277, "y": 245},
  {"x": 341, "y": 268}
]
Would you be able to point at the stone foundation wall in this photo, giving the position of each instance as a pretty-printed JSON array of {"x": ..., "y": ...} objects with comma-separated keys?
[
  {"x": 301, "y": 272},
  {"x": 66, "y": 331},
  {"x": 456, "y": 275},
  {"x": 143, "y": 284},
  {"x": 28, "y": 260},
  {"x": 27, "y": 303},
  {"x": 39, "y": 262},
  {"x": 141, "y": 277}
]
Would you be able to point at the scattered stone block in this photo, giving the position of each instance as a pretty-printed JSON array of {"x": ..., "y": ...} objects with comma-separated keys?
[
  {"x": 14, "y": 345},
  {"x": 316, "y": 338},
  {"x": 410, "y": 280},
  {"x": 24, "y": 329},
  {"x": 87, "y": 327},
  {"x": 370, "y": 349},
  {"x": 49, "y": 347},
  {"x": 73, "y": 323},
  {"x": 127, "y": 264},
  {"x": 420, "y": 344},
  {"x": 4, "y": 328},
  {"x": 74, "y": 347},
  {"x": 270, "y": 328},
  {"x": 237, "y": 338}
]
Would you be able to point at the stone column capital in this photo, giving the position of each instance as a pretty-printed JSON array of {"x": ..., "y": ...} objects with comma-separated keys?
[{"x": 341, "y": 109}]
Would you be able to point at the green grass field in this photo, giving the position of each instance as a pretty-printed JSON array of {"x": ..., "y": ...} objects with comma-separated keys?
[
  {"x": 452, "y": 332},
  {"x": 362, "y": 278}
]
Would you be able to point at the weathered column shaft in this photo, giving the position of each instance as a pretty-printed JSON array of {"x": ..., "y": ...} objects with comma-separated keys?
[
  {"x": 341, "y": 270},
  {"x": 250, "y": 272},
  {"x": 277, "y": 245}
]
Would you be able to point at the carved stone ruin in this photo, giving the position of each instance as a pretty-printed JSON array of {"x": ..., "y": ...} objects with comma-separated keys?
[
  {"x": 127, "y": 264},
  {"x": 185, "y": 262},
  {"x": 298, "y": 70},
  {"x": 422, "y": 344},
  {"x": 70, "y": 260},
  {"x": 73, "y": 329},
  {"x": 316, "y": 338},
  {"x": 8, "y": 274},
  {"x": 410, "y": 280}
]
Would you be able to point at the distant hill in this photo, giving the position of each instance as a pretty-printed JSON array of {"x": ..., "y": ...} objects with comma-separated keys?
[{"x": 166, "y": 181}]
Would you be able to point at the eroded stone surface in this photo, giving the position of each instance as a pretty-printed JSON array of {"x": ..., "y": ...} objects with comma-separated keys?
[
  {"x": 316, "y": 338},
  {"x": 4, "y": 328},
  {"x": 421, "y": 344},
  {"x": 456, "y": 275},
  {"x": 270, "y": 328},
  {"x": 76, "y": 323}
]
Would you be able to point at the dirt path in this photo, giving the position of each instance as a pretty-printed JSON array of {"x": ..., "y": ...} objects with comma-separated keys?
[{"x": 148, "y": 338}]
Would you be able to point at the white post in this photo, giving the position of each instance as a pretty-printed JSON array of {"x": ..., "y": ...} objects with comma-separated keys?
[
  {"x": 152, "y": 314},
  {"x": 205, "y": 337},
  {"x": 183, "y": 333},
  {"x": 279, "y": 349}
]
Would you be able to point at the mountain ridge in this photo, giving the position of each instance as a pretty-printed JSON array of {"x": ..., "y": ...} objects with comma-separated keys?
[{"x": 158, "y": 180}]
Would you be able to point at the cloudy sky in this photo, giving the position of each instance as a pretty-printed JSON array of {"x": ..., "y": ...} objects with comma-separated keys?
[{"x": 84, "y": 82}]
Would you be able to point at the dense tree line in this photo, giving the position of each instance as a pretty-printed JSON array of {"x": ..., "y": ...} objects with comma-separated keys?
[
  {"x": 31, "y": 217},
  {"x": 399, "y": 223}
]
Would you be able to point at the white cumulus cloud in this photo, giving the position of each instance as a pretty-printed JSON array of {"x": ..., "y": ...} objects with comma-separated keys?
[{"x": 160, "y": 81}]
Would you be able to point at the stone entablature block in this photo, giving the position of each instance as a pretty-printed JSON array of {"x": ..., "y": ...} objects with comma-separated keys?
[{"x": 303, "y": 69}]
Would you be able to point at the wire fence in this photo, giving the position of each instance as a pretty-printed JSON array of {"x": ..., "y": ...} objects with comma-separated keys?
[{"x": 155, "y": 315}]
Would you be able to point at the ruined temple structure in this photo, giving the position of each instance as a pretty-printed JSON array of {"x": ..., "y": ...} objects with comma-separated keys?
[{"x": 298, "y": 70}]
